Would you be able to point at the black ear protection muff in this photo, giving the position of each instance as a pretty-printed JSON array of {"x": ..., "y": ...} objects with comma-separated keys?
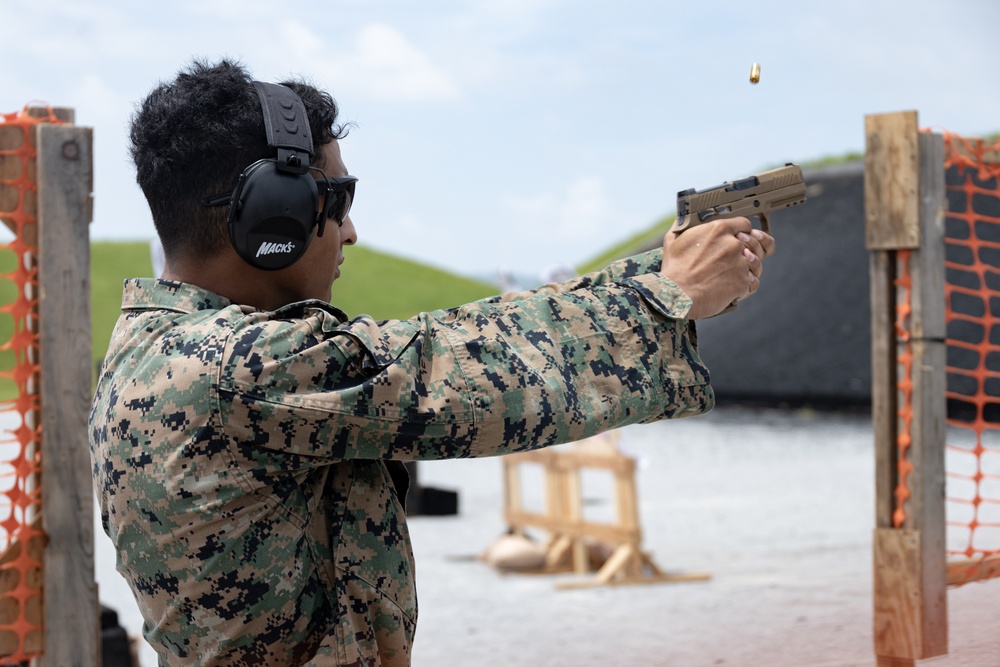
[{"x": 272, "y": 210}]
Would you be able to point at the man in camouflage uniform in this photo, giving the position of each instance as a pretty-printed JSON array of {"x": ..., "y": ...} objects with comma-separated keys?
[{"x": 247, "y": 436}]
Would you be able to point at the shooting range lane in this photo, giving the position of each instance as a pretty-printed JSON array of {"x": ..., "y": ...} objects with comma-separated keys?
[{"x": 776, "y": 505}]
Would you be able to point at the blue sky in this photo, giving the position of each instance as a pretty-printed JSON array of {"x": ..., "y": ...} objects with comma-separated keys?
[{"x": 523, "y": 133}]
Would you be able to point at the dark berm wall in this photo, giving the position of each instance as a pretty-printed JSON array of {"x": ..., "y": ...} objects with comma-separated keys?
[{"x": 804, "y": 338}]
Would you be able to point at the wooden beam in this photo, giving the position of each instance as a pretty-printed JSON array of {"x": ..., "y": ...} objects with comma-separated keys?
[
  {"x": 65, "y": 182},
  {"x": 928, "y": 431},
  {"x": 927, "y": 268},
  {"x": 891, "y": 181},
  {"x": 65, "y": 114},
  {"x": 904, "y": 614},
  {"x": 979, "y": 569},
  {"x": 897, "y": 593},
  {"x": 961, "y": 147}
]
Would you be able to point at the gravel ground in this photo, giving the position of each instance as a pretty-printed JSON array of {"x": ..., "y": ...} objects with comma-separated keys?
[{"x": 777, "y": 506}]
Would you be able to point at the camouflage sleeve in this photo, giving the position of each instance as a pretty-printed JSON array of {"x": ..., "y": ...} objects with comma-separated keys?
[
  {"x": 488, "y": 378},
  {"x": 630, "y": 267}
]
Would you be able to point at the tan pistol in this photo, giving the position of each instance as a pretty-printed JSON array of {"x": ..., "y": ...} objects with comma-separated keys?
[{"x": 754, "y": 196}]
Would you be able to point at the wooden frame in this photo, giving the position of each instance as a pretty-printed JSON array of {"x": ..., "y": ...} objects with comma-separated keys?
[
  {"x": 569, "y": 530},
  {"x": 904, "y": 204}
]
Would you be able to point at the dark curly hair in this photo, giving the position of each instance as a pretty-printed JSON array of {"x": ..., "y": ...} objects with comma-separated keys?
[{"x": 193, "y": 136}]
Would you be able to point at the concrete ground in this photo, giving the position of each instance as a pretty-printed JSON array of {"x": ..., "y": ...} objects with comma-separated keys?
[{"x": 777, "y": 506}]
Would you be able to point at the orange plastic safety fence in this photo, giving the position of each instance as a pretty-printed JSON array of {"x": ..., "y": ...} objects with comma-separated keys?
[
  {"x": 21, "y": 536},
  {"x": 904, "y": 385},
  {"x": 972, "y": 291}
]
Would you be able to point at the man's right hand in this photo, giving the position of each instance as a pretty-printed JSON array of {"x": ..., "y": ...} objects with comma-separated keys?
[{"x": 716, "y": 263}]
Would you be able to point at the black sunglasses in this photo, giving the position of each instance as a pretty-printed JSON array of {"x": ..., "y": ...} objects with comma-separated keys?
[{"x": 339, "y": 193}]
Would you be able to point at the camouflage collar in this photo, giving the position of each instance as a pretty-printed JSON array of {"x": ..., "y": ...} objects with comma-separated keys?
[
  {"x": 149, "y": 293},
  {"x": 153, "y": 294}
]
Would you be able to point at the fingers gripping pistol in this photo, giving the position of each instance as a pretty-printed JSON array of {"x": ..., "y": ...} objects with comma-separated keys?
[{"x": 754, "y": 196}]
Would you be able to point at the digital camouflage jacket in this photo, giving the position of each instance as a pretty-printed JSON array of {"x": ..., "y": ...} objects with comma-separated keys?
[{"x": 240, "y": 456}]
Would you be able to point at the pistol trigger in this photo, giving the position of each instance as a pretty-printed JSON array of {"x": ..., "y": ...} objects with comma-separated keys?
[{"x": 764, "y": 225}]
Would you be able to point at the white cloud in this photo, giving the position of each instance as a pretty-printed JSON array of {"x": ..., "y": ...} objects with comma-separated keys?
[
  {"x": 375, "y": 62},
  {"x": 80, "y": 33},
  {"x": 304, "y": 44},
  {"x": 385, "y": 65},
  {"x": 513, "y": 17}
]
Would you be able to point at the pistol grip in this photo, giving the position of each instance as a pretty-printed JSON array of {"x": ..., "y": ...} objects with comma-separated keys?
[{"x": 728, "y": 309}]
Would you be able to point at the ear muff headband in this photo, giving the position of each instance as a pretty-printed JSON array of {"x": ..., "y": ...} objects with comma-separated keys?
[
  {"x": 287, "y": 126},
  {"x": 272, "y": 210}
]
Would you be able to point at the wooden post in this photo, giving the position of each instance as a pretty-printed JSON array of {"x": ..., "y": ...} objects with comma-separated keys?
[
  {"x": 904, "y": 210},
  {"x": 512, "y": 492},
  {"x": 65, "y": 184},
  {"x": 572, "y": 493}
]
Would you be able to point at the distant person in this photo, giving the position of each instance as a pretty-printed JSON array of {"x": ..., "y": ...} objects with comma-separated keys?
[
  {"x": 506, "y": 281},
  {"x": 557, "y": 273},
  {"x": 248, "y": 437}
]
